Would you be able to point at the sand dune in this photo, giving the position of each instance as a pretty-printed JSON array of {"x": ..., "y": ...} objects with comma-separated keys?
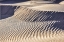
[{"x": 34, "y": 24}]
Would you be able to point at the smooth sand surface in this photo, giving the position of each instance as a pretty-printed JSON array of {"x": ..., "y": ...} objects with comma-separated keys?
[{"x": 50, "y": 7}]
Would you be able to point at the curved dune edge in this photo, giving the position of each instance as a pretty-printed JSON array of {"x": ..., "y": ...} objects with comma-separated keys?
[{"x": 62, "y": 2}]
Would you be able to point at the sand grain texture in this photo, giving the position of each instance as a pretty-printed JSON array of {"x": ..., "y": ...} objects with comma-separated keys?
[{"x": 30, "y": 25}]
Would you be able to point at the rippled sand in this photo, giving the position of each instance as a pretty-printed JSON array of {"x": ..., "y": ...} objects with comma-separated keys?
[{"x": 33, "y": 24}]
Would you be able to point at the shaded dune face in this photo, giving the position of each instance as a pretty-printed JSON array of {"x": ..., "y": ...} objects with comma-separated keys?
[
  {"x": 7, "y": 11},
  {"x": 58, "y": 1},
  {"x": 30, "y": 31}
]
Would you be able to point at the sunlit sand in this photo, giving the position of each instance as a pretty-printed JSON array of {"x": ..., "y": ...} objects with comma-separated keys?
[{"x": 34, "y": 24}]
